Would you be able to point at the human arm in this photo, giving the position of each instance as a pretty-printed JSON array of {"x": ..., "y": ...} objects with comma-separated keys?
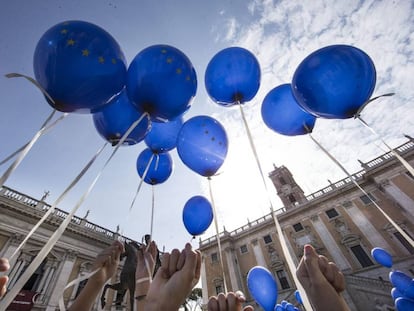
[
  {"x": 107, "y": 263},
  {"x": 4, "y": 266},
  {"x": 230, "y": 302},
  {"x": 322, "y": 281},
  {"x": 172, "y": 283}
]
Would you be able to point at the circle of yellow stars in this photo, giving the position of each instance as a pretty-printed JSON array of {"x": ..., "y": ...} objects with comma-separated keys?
[{"x": 170, "y": 60}]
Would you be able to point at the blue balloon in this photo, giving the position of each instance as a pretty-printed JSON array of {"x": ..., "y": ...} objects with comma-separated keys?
[
  {"x": 80, "y": 65},
  {"x": 162, "y": 82},
  {"x": 395, "y": 293},
  {"x": 162, "y": 136},
  {"x": 282, "y": 113},
  {"x": 404, "y": 304},
  {"x": 403, "y": 283},
  {"x": 160, "y": 167},
  {"x": 298, "y": 297},
  {"x": 202, "y": 145},
  {"x": 334, "y": 82},
  {"x": 114, "y": 120},
  {"x": 197, "y": 215},
  {"x": 262, "y": 286},
  {"x": 289, "y": 307},
  {"x": 232, "y": 75},
  {"x": 382, "y": 257},
  {"x": 279, "y": 307}
]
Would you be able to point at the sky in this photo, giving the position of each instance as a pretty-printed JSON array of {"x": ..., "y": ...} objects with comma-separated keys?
[{"x": 279, "y": 33}]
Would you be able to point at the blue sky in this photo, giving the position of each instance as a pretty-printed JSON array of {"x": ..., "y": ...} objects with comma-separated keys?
[{"x": 280, "y": 33}]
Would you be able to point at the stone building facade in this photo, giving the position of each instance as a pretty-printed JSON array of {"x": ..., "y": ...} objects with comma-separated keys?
[
  {"x": 70, "y": 258},
  {"x": 340, "y": 221}
]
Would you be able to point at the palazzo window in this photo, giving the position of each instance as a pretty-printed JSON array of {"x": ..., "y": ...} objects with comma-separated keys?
[{"x": 361, "y": 256}]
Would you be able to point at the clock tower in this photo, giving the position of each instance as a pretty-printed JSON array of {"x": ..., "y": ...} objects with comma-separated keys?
[{"x": 287, "y": 189}]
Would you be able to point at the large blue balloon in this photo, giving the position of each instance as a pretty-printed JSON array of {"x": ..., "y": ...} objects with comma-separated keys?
[
  {"x": 403, "y": 283},
  {"x": 395, "y": 293},
  {"x": 404, "y": 304},
  {"x": 281, "y": 113},
  {"x": 113, "y": 121},
  {"x": 262, "y": 286},
  {"x": 334, "y": 82},
  {"x": 162, "y": 81},
  {"x": 382, "y": 257},
  {"x": 160, "y": 167},
  {"x": 232, "y": 75},
  {"x": 197, "y": 215},
  {"x": 80, "y": 65},
  {"x": 202, "y": 145},
  {"x": 162, "y": 136}
]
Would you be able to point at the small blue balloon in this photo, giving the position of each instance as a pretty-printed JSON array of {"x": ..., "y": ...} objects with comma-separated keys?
[
  {"x": 202, "y": 145},
  {"x": 403, "y": 283},
  {"x": 289, "y": 307},
  {"x": 284, "y": 303},
  {"x": 298, "y": 297},
  {"x": 262, "y": 286},
  {"x": 162, "y": 82},
  {"x": 282, "y": 114},
  {"x": 232, "y": 75},
  {"x": 80, "y": 65},
  {"x": 334, "y": 82},
  {"x": 404, "y": 304},
  {"x": 162, "y": 136},
  {"x": 159, "y": 166},
  {"x": 197, "y": 215},
  {"x": 382, "y": 257},
  {"x": 279, "y": 307},
  {"x": 114, "y": 120},
  {"x": 395, "y": 293}
]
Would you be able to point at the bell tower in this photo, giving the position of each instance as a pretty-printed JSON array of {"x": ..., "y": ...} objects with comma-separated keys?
[{"x": 287, "y": 189}]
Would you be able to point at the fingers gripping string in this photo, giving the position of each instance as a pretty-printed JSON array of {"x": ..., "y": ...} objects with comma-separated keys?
[{"x": 396, "y": 226}]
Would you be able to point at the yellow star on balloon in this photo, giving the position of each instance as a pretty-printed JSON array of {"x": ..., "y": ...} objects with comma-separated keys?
[
  {"x": 113, "y": 60},
  {"x": 71, "y": 42},
  {"x": 169, "y": 60},
  {"x": 85, "y": 52},
  {"x": 101, "y": 59},
  {"x": 178, "y": 71},
  {"x": 64, "y": 31}
]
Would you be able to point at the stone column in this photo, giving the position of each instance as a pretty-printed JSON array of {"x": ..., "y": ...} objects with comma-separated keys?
[
  {"x": 232, "y": 264},
  {"x": 62, "y": 280},
  {"x": 366, "y": 227},
  {"x": 330, "y": 243},
  {"x": 258, "y": 254},
  {"x": 399, "y": 196},
  {"x": 204, "y": 284},
  {"x": 13, "y": 243}
]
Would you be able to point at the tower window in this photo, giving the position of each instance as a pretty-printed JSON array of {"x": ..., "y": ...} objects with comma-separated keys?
[
  {"x": 281, "y": 275},
  {"x": 298, "y": 227},
  {"x": 292, "y": 198},
  {"x": 214, "y": 257},
  {"x": 243, "y": 249},
  {"x": 367, "y": 199},
  {"x": 331, "y": 213},
  {"x": 282, "y": 180},
  {"x": 267, "y": 239},
  {"x": 362, "y": 256}
]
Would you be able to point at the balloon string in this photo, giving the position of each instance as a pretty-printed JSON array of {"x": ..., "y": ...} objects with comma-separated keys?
[
  {"x": 152, "y": 210},
  {"x": 8, "y": 298},
  {"x": 396, "y": 226},
  {"x": 400, "y": 158},
  {"x": 24, "y": 146},
  {"x": 30, "y": 144},
  {"x": 283, "y": 242},
  {"x": 217, "y": 234},
  {"x": 59, "y": 199}
]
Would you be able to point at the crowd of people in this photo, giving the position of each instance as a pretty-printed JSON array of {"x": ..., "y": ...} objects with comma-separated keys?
[{"x": 180, "y": 271}]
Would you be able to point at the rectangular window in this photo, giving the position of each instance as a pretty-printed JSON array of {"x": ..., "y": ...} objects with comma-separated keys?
[
  {"x": 331, "y": 213},
  {"x": 243, "y": 249},
  {"x": 298, "y": 227},
  {"x": 267, "y": 239},
  {"x": 214, "y": 257},
  {"x": 362, "y": 256},
  {"x": 404, "y": 242},
  {"x": 219, "y": 289},
  {"x": 367, "y": 199},
  {"x": 292, "y": 198},
  {"x": 281, "y": 275},
  {"x": 282, "y": 181}
]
